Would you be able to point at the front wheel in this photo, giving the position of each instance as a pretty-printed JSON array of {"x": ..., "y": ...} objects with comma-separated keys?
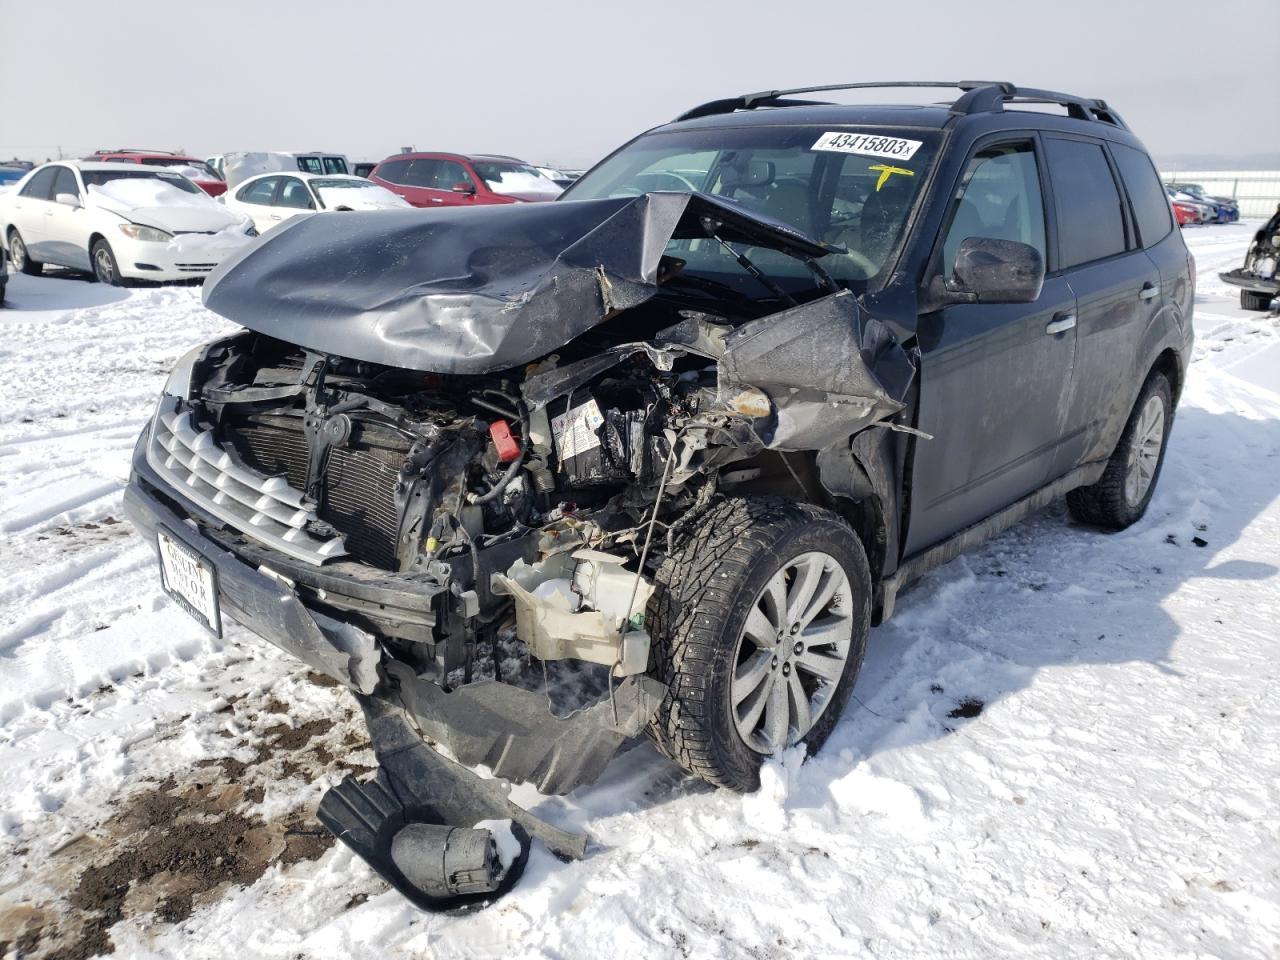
[
  {"x": 21, "y": 259},
  {"x": 759, "y": 623},
  {"x": 1121, "y": 495},
  {"x": 1250, "y": 300},
  {"x": 105, "y": 269}
]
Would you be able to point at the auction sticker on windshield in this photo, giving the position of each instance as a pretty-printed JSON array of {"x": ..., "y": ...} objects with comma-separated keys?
[
  {"x": 190, "y": 580},
  {"x": 868, "y": 145}
]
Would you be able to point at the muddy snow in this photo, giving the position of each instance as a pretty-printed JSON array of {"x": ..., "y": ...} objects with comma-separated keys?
[{"x": 1065, "y": 744}]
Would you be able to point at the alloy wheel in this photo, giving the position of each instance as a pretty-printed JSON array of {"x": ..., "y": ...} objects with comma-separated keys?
[
  {"x": 102, "y": 265},
  {"x": 792, "y": 652},
  {"x": 1144, "y": 450}
]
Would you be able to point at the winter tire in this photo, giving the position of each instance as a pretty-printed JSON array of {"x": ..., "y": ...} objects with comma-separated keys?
[
  {"x": 105, "y": 269},
  {"x": 759, "y": 623},
  {"x": 1121, "y": 496},
  {"x": 1251, "y": 300},
  {"x": 21, "y": 259}
]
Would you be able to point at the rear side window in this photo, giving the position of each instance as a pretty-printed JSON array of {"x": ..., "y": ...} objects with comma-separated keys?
[
  {"x": 393, "y": 171},
  {"x": 1146, "y": 193},
  {"x": 1090, "y": 217},
  {"x": 40, "y": 186},
  {"x": 310, "y": 165},
  {"x": 334, "y": 165}
]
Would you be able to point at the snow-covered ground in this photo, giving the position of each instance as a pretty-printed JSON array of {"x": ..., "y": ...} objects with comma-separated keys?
[{"x": 1065, "y": 744}]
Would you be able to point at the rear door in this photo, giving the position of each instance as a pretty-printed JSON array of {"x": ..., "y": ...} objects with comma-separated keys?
[
  {"x": 994, "y": 378},
  {"x": 30, "y": 209},
  {"x": 1117, "y": 289}
]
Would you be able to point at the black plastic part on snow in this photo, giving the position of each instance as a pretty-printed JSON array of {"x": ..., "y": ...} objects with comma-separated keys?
[{"x": 416, "y": 785}]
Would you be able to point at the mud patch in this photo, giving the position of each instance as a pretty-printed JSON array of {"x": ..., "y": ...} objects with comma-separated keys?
[{"x": 178, "y": 843}]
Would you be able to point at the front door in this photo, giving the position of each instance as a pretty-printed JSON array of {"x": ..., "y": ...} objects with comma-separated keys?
[{"x": 994, "y": 378}]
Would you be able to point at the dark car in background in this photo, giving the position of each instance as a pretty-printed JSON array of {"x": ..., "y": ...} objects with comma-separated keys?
[
  {"x": 694, "y": 430},
  {"x": 193, "y": 168},
  {"x": 458, "y": 180}
]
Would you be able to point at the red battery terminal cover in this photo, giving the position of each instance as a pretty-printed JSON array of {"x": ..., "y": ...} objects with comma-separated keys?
[{"x": 506, "y": 445}]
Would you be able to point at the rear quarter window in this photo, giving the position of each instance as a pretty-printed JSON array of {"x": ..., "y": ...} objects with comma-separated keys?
[
  {"x": 1146, "y": 193},
  {"x": 1090, "y": 215}
]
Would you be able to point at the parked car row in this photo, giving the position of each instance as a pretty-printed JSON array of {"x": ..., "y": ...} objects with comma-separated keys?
[
  {"x": 1192, "y": 205},
  {"x": 130, "y": 213}
]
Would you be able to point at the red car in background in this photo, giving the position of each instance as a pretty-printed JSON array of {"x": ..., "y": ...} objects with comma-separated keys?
[
  {"x": 455, "y": 180},
  {"x": 193, "y": 168},
  {"x": 1184, "y": 213}
]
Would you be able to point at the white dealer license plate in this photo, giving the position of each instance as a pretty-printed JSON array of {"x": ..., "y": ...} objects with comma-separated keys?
[{"x": 190, "y": 580}]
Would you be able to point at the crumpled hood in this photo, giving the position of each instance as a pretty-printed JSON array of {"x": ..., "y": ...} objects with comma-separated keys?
[{"x": 469, "y": 291}]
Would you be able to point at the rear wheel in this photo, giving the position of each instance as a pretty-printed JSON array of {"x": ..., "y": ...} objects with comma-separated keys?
[
  {"x": 105, "y": 269},
  {"x": 760, "y": 621},
  {"x": 1250, "y": 300},
  {"x": 21, "y": 259},
  {"x": 1121, "y": 496}
]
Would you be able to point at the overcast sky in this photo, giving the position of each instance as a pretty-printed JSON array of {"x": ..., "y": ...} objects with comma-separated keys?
[{"x": 564, "y": 83}]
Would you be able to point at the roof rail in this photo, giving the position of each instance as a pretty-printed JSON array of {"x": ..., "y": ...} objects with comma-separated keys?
[
  {"x": 977, "y": 96},
  {"x": 166, "y": 153}
]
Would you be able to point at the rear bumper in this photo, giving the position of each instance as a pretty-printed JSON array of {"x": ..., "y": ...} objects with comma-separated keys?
[{"x": 1247, "y": 281}]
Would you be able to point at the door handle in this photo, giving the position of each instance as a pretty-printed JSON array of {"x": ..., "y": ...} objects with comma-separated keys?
[
  {"x": 1149, "y": 291},
  {"x": 1060, "y": 324},
  {"x": 275, "y": 216}
]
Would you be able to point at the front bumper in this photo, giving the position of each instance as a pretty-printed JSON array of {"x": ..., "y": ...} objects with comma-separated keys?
[
  {"x": 186, "y": 256},
  {"x": 336, "y": 624}
]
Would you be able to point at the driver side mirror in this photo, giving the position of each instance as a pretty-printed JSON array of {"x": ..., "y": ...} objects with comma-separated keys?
[
  {"x": 464, "y": 188},
  {"x": 67, "y": 200},
  {"x": 988, "y": 270}
]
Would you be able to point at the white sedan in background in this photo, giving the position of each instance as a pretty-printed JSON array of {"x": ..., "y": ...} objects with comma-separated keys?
[
  {"x": 121, "y": 221},
  {"x": 270, "y": 199}
]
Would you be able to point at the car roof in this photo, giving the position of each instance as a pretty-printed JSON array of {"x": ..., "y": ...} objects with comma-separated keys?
[
  {"x": 303, "y": 175},
  {"x": 437, "y": 154},
  {"x": 91, "y": 165},
  {"x": 147, "y": 155}
]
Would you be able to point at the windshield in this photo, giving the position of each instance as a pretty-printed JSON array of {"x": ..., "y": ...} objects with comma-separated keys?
[
  {"x": 188, "y": 167},
  {"x": 334, "y": 183},
  {"x": 851, "y": 190},
  {"x": 96, "y": 178}
]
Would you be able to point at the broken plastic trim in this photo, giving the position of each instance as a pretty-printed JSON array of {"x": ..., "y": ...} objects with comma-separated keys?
[{"x": 414, "y": 821}]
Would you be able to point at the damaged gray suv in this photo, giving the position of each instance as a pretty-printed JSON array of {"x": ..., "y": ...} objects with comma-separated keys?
[{"x": 692, "y": 427}]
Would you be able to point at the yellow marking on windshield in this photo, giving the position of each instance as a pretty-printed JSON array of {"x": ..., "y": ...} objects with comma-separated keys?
[{"x": 887, "y": 171}]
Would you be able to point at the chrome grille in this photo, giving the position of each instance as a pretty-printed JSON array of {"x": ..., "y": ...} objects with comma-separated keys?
[{"x": 266, "y": 507}]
